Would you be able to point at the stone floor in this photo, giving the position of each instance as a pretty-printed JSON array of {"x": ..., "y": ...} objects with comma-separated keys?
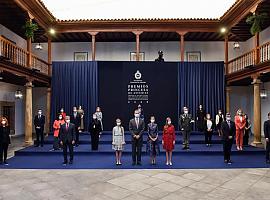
[
  {"x": 243, "y": 184},
  {"x": 238, "y": 184}
]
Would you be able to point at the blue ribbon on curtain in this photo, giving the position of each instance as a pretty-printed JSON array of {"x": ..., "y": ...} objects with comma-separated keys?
[
  {"x": 201, "y": 83},
  {"x": 74, "y": 84}
]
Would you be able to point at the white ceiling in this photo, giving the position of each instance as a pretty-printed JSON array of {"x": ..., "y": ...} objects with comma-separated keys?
[{"x": 142, "y": 9}]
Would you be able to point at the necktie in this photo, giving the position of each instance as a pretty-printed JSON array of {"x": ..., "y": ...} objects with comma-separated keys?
[
  {"x": 67, "y": 127},
  {"x": 137, "y": 123},
  {"x": 229, "y": 124}
]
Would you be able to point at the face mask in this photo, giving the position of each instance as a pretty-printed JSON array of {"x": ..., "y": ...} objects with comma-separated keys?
[
  {"x": 152, "y": 120},
  {"x": 186, "y": 112},
  {"x": 208, "y": 117},
  {"x": 118, "y": 124},
  {"x": 219, "y": 113},
  {"x": 228, "y": 119},
  {"x": 61, "y": 111},
  {"x": 137, "y": 115},
  {"x": 60, "y": 117},
  {"x": 3, "y": 122},
  {"x": 68, "y": 121},
  {"x": 169, "y": 122},
  {"x": 39, "y": 113}
]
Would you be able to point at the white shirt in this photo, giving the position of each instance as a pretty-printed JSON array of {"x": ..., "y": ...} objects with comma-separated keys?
[{"x": 209, "y": 124}]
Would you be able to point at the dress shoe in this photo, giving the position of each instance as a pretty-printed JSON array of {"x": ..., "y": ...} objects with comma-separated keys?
[
  {"x": 229, "y": 162},
  {"x": 183, "y": 148},
  {"x": 64, "y": 163},
  {"x": 225, "y": 161},
  {"x": 119, "y": 163},
  {"x": 139, "y": 163},
  {"x": 170, "y": 163},
  {"x": 6, "y": 163},
  {"x": 70, "y": 162},
  {"x": 167, "y": 163}
]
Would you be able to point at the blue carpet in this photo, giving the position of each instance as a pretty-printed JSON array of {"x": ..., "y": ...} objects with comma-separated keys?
[{"x": 198, "y": 157}]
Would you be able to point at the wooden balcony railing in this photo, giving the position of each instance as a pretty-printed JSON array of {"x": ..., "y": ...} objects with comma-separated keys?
[
  {"x": 249, "y": 59},
  {"x": 265, "y": 52},
  {"x": 20, "y": 56}
]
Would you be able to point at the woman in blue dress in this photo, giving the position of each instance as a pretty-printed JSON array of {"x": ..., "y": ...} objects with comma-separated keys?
[{"x": 152, "y": 141}]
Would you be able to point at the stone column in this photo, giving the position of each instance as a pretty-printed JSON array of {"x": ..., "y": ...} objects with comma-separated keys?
[
  {"x": 228, "y": 91},
  {"x": 48, "y": 111},
  {"x": 257, "y": 111},
  {"x": 28, "y": 114}
]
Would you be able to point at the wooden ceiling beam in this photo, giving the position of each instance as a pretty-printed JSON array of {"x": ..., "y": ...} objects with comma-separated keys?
[
  {"x": 37, "y": 11},
  {"x": 241, "y": 9},
  {"x": 145, "y": 26}
]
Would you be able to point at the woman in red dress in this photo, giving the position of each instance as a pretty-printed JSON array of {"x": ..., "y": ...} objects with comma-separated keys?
[
  {"x": 56, "y": 128},
  {"x": 240, "y": 124},
  {"x": 168, "y": 140}
]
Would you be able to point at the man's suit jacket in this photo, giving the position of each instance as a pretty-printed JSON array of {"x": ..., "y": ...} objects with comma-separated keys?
[
  {"x": 185, "y": 122},
  {"x": 39, "y": 121},
  {"x": 76, "y": 120},
  {"x": 136, "y": 130},
  {"x": 266, "y": 128},
  {"x": 227, "y": 131},
  {"x": 67, "y": 135}
]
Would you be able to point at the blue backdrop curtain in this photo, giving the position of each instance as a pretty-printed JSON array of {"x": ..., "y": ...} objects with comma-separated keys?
[
  {"x": 202, "y": 83},
  {"x": 74, "y": 84}
]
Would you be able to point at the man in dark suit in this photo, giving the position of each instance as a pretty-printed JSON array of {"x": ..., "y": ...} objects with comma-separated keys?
[
  {"x": 266, "y": 128},
  {"x": 185, "y": 122},
  {"x": 136, "y": 127},
  {"x": 39, "y": 123},
  {"x": 228, "y": 132},
  {"x": 76, "y": 120},
  {"x": 67, "y": 139}
]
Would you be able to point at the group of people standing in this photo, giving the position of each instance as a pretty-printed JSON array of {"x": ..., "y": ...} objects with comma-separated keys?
[{"x": 68, "y": 136}]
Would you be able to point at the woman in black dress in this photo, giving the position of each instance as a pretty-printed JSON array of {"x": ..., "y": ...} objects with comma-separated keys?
[
  {"x": 152, "y": 141},
  {"x": 219, "y": 120},
  {"x": 94, "y": 129},
  {"x": 4, "y": 139},
  {"x": 247, "y": 131},
  {"x": 200, "y": 118}
]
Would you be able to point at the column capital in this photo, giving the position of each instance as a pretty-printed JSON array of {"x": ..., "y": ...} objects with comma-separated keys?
[
  {"x": 137, "y": 32},
  {"x": 256, "y": 79},
  {"x": 228, "y": 88},
  {"x": 182, "y": 33},
  {"x": 93, "y": 33},
  {"x": 29, "y": 84}
]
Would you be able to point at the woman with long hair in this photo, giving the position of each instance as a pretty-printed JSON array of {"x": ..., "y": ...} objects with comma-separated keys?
[{"x": 168, "y": 140}]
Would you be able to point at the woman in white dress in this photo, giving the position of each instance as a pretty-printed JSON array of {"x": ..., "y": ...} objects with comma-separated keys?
[
  {"x": 99, "y": 118},
  {"x": 118, "y": 140}
]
